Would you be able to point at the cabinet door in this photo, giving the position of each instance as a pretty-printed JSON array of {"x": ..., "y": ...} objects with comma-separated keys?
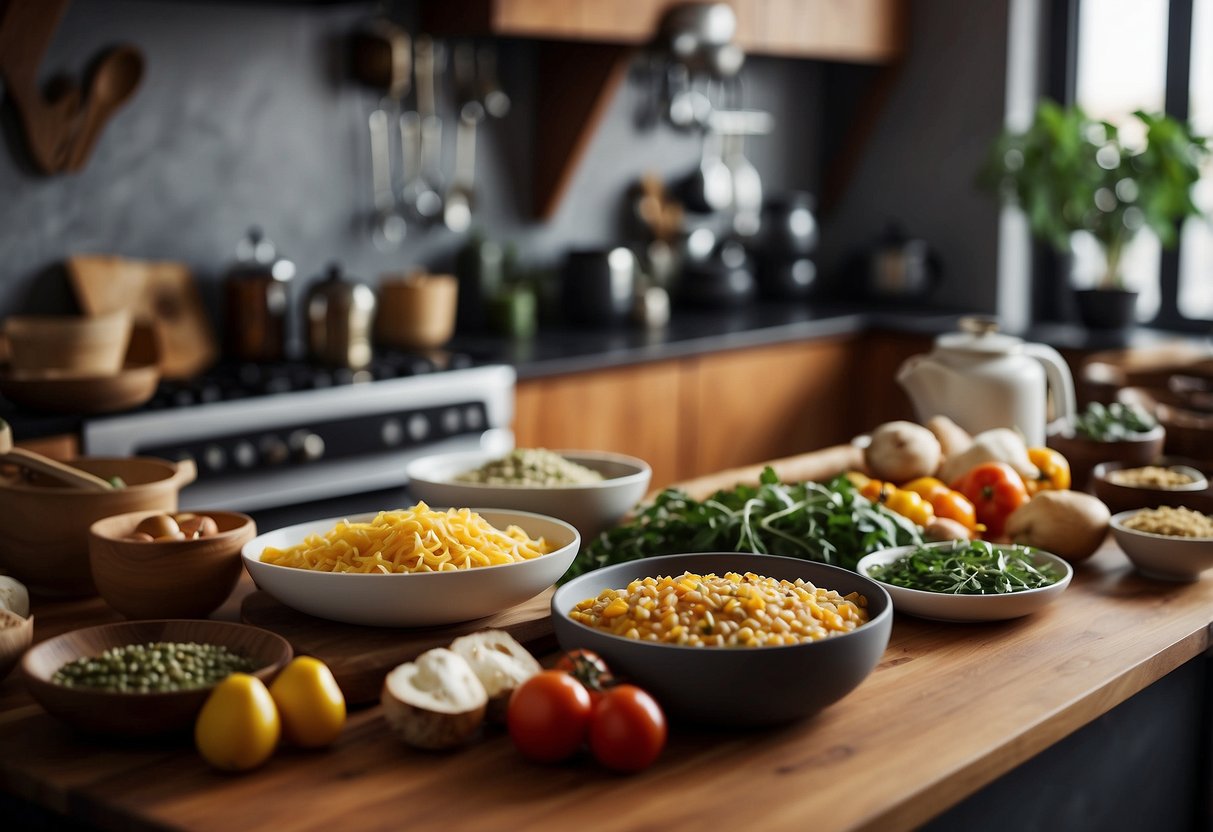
[
  {"x": 631, "y": 410},
  {"x": 758, "y": 404}
]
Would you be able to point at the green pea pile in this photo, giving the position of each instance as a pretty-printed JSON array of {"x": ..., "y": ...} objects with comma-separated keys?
[{"x": 156, "y": 667}]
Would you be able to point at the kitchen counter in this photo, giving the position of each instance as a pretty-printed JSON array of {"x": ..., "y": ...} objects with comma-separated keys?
[{"x": 949, "y": 709}]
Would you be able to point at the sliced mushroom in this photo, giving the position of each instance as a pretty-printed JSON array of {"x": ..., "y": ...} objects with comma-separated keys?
[
  {"x": 501, "y": 664},
  {"x": 435, "y": 702}
]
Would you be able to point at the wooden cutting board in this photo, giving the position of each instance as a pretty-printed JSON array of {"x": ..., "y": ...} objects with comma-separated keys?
[
  {"x": 162, "y": 294},
  {"x": 361, "y": 656}
]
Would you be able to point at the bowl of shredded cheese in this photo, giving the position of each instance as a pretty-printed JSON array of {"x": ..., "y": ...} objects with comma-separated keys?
[{"x": 412, "y": 567}]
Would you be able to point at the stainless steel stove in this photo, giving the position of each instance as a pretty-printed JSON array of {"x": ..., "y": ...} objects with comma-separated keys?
[{"x": 271, "y": 435}]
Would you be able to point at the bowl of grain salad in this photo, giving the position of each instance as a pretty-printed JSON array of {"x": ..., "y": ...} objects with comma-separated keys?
[
  {"x": 727, "y": 638},
  {"x": 1170, "y": 543},
  {"x": 592, "y": 490},
  {"x": 1170, "y": 481}
]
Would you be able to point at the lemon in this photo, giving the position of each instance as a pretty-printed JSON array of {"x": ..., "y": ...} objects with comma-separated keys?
[
  {"x": 238, "y": 727},
  {"x": 310, "y": 703}
]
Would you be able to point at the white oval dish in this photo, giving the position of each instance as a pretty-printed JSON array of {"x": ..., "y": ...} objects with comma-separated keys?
[
  {"x": 591, "y": 507},
  {"x": 943, "y": 606},
  {"x": 422, "y": 599}
]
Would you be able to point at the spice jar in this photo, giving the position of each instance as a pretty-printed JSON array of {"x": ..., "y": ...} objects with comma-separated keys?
[
  {"x": 340, "y": 314},
  {"x": 256, "y": 300}
]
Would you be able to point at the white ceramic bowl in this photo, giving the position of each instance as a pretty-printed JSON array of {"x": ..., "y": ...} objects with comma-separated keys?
[
  {"x": 1163, "y": 556},
  {"x": 421, "y": 599},
  {"x": 592, "y": 508},
  {"x": 943, "y": 606}
]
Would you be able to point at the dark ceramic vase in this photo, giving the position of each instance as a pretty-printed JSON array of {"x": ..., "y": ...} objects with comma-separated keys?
[{"x": 1106, "y": 308}]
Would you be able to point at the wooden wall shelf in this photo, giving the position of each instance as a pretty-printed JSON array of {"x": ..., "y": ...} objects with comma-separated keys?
[{"x": 588, "y": 44}]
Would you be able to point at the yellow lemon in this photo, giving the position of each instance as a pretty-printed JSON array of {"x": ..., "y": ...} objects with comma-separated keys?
[
  {"x": 309, "y": 702},
  {"x": 238, "y": 727}
]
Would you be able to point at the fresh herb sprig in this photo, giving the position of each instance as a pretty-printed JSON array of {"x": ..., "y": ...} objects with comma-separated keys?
[
  {"x": 974, "y": 567},
  {"x": 826, "y": 522},
  {"x": 1113, "y": 422}
]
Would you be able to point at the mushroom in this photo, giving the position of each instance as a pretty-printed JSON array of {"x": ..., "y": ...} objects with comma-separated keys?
[
  {"x": 500, "y": 663},
  {"x": 434, "y": 702}
]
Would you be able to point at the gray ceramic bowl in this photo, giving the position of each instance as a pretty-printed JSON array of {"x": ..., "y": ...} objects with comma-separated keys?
[{"x": 739, "y": 686}]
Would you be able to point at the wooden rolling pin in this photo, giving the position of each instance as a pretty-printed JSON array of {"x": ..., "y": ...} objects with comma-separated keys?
[{"x": 816, "y": 465}]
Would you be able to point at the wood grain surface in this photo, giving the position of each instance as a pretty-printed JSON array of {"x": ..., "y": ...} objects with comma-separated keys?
[
  {"x": 887, "y": 757},
  {"x": 361, "y": 656}
]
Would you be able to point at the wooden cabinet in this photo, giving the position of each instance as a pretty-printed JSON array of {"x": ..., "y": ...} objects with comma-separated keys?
[{"x": 692, "y": 416}]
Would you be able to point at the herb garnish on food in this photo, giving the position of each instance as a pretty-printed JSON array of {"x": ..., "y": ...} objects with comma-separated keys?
[
  {"x": 971, "y": 568},
  {"x": 826, "y": 522}
]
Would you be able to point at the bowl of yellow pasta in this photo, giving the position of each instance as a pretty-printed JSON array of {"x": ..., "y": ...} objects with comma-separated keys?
[{"x": 412, "y": 567}]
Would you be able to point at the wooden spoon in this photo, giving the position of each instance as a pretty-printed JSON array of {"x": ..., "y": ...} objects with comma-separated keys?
[
  {"x": 31, "y": 461},
  {"x": 114, "y": 81}
]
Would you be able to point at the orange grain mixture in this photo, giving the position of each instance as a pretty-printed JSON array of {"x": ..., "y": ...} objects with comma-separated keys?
[{"x": 731, "y": 610}]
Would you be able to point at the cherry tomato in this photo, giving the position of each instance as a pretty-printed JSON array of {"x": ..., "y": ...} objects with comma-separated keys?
[
  {"x": 548, "y": 716},
  {"x": 587, "y": 667},
  {"x": 627, "y": 729},
  {"x": 995, "y": 491}
]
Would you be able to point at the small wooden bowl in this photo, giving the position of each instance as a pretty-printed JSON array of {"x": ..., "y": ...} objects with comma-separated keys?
[
  {"x": 1084, "y": 454},
  {"x": 137, "y": 715},
  {"x": 85, "y": 346},
  {"x": 16, "y": 633},
  {"x": 171, "y": 578}
]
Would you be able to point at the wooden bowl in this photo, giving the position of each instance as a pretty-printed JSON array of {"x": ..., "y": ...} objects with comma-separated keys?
[
  {"x": 171, "y": 578},
  {"x": 44, "y": 526},
  {"x": 140, "y": 714},
  {"x": 54, "y": 392},
  {"x": 1084, "y": 454},
  {"x": 85, "y": 346},
  {"x": 16, "y": 633}
]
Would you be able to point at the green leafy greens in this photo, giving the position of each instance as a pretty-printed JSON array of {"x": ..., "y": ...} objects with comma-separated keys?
[
  {"x": 970, "y": 568},
  {"x": 826, "y": 522}
]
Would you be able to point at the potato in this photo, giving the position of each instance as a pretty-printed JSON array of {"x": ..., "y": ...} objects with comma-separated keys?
[
  {"x": 902, "y": 451},
  {"x": 1070, "y": 524},
  {"x": 953, "y": 439},
  {"x": 942, "y": 528}
]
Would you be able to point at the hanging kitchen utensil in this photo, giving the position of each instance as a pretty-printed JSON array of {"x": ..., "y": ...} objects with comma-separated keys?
[
  {"x": 340, "y": 314},
  {"x": 425, "y": 192},
  {"x": 388, "y": 225},
  {"x": 381, "y": 57},
  {"x": 457, "y": 207},
  {"x": 257, "y": 302},
  {"x": 495, "y": 100}
]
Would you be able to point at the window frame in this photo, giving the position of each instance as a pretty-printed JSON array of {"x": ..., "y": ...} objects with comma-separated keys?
[{"x": 1052, "y": 297}]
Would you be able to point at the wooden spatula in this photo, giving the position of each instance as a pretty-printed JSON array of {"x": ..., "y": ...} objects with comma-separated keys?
[{"x": 31, "y": 461}]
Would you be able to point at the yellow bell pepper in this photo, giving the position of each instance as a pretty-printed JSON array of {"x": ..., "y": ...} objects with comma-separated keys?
[
  {"x": 911, "y": 506},
  {"x": 1054, "y": 471}
]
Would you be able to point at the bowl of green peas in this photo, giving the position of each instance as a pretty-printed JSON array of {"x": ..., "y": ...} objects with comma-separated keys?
[{"x": 140, "y": 679}]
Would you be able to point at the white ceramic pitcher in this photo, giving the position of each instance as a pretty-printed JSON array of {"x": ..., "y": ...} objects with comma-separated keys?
[{"x": 981, "y": 378}]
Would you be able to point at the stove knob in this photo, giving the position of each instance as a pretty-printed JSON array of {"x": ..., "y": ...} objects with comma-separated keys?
[
  {"x": 391, "y": 432},
  {"x": 273, "y": 450},
  {"x": 452, "y": 420},
  {"x": 306, "y": 446},
  {"x": 473, "y": 418},
  {"x": 244, "y": 454},
  {"x": 418, "y": 427},
  {"x": 214, "y": 458}
]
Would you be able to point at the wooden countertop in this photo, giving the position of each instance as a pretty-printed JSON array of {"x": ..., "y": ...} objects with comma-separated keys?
[{"x": 949, "y": 709}]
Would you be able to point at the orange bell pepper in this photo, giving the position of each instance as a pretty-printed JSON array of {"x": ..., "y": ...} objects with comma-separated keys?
[
  {"x": 946, "y": 503},
  {"x": 1054, "y": 470}
]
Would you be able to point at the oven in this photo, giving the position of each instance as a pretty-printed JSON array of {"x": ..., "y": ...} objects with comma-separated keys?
[{"x": 274, "y": 435}]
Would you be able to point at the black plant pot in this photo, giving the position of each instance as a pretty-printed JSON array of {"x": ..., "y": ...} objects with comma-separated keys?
[{"x": 1107, "y": 308}]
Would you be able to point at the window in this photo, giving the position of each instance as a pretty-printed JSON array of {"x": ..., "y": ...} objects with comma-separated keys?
[{"x": 1117, "y": 56}]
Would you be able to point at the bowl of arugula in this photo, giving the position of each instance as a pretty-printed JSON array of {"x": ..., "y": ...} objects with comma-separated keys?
[{"x": 968, "y": 580}]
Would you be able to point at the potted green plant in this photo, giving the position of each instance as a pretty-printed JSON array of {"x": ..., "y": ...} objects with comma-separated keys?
[{"x": 1072, "y": 173}]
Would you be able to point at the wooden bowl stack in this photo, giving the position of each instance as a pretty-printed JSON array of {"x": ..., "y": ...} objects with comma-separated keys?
[{"x": 168, "y": 578}]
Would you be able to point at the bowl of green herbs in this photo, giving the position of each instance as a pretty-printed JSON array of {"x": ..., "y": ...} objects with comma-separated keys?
[
  {"x": 968, "y": 580},
  {"x": 1114, "y": 432}
]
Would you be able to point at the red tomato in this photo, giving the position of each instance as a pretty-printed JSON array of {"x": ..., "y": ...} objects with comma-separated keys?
[
  {"x": 627, "y": 729},
  {"x": 995, "y": 491},
  {"x": 548, "y": 716},
  {"x": 587, "y": 667}
]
